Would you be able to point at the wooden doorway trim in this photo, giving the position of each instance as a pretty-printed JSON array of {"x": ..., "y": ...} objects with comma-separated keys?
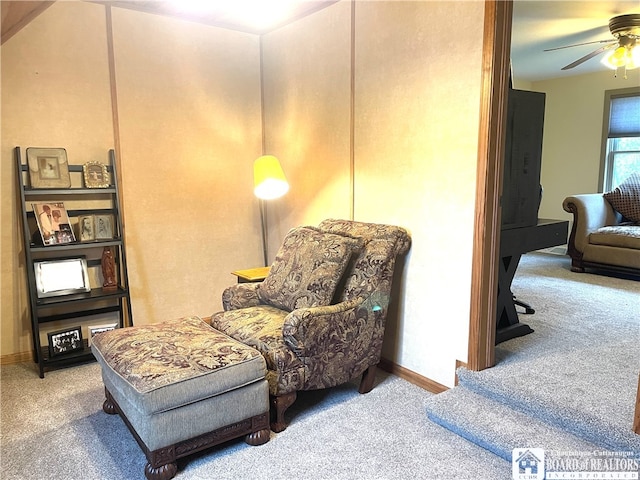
[{"x": 486, "y": 242}]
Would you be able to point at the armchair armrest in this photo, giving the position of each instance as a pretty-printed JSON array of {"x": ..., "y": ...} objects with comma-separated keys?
[
  {"x": 590, "y": 212},
  {"x": 240, "y": 295},
  {"x": 341, "y": 340}
]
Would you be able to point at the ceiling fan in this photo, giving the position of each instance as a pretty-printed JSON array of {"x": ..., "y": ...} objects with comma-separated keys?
[{"x": 626, "y": 44}]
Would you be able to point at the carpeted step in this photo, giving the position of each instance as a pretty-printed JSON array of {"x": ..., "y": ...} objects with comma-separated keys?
[
  {"x": 496, "y": 427},
  {"x": 547, "y": 405}
]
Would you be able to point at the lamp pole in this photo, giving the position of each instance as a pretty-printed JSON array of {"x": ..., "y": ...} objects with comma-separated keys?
[{"x": 263, "y": 220}]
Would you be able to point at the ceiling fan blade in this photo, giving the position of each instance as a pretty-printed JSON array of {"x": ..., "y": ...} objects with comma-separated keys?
[
  {"x": 579, "y": 44},
  {"x": 588, "y": 56}
]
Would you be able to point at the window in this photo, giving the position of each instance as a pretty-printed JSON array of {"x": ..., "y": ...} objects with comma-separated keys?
[{"x": 621, "y": 142}]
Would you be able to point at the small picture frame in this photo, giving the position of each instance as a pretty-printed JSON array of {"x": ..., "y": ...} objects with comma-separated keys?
[
  {"x": 96, "y": 329},
  {"x": 63, "y": 342},
  {"x": 103, "y": 227},
  {"x": 53, "y": 223},
  {"x": 48, "y": 168},
  {"x": 61, "y": 277},
  {"x": 86, "y": 228},
  {"x": 95, "y": 175}
]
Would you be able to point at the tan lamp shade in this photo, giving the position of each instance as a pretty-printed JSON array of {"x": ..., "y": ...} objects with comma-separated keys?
[{"x": 269, "y": 179}]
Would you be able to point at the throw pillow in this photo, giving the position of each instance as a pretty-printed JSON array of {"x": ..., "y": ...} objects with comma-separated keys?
[
  {"x": 307, "y": 269},
  {"x": 625, "y": 198}
]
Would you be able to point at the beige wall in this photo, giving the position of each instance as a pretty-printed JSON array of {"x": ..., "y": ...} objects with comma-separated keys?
[
  {"x": 415, "y": 129},
  {"x": 55, "y": 93},
  {"x": 189, "y": 117},
  {"x": 572, "y": 139},
  {"x": 307, "y": 75},
  {"x": 188, "y": 100}
]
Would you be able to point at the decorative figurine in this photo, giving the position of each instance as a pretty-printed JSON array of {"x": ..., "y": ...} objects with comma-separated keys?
[{"x": 108, "y": 270}]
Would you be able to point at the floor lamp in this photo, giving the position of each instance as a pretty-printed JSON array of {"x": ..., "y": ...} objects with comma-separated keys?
[{"x": 269, "y": 183}]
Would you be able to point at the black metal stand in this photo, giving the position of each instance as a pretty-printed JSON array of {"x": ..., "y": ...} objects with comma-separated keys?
[{"x": 513, "y": 243}]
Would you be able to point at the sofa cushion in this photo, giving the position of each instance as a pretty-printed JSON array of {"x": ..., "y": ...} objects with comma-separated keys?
[
  {"x": 625, "y": 198},
  {"x": 623, "y": 236},
  {"x": 307, "y": 269},
  {"x": 174, "y": 363}
]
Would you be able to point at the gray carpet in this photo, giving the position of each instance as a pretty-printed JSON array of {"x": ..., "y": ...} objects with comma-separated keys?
[
  {"x": 572, "y": 382},
  {"x": 54, "y": 428}
]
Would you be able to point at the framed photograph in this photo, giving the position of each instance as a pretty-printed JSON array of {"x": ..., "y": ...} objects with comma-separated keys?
[
  {"x": 96, "y": 175},
  {"x": 53, "y": 223},
  {"x": 94, "y": 330},
  {"x": 61, "y": 277},
  {"x": 103, "y": 227},
  {"x": 86, "y": 228},
  {"x": 65, "y": 341},
  {"x": 48, "y": 168}
]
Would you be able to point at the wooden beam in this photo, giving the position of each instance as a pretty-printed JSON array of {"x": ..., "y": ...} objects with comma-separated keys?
[{"x": 16, "y": 15}]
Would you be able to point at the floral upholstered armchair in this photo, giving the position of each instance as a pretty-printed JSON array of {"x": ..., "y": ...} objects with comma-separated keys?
[{"x": 318, "y": 318}]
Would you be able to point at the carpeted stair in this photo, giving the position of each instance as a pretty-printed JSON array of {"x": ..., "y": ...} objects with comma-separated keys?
[
  {"x": 497, "y": 427},
  {"x": 498, "y": 417},
  {"x": 569, "y": 386},
  {"x": 610, "y": 432}
]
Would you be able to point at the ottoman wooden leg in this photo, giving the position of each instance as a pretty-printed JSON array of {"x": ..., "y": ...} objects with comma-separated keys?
[
  {"x": 109, "y": 405},
  {"x": 258, "y": 438},
  {"x": 163, "y": 472}
]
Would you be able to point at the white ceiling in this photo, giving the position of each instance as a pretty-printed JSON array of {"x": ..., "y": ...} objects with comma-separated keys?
[{"x": 538, "y": 25}]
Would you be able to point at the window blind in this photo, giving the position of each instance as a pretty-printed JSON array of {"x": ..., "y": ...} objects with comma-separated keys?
[{"x": 624, "y": 117}]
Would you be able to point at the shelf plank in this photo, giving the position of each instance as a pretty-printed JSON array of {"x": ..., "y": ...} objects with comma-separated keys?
[
  {"x": 76, "y": 245},
  {"x": 94, "y": 294},
  {"x": 78, "y": 314},
  {"x": 48, "y": 192}
]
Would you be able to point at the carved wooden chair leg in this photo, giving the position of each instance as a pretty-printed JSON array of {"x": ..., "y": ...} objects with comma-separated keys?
[
  {"x": 368, "y": 379},
  {"x": 279, "y": 405}
]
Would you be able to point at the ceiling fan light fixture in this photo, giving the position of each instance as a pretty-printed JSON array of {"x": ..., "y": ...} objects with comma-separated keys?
[
  {"x": 634, "y": 55},
  {"x": 626, "y": 56},
  {"x": 617, "y": 58}
]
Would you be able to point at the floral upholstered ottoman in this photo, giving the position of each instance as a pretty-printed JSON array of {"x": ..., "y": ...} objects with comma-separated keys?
[{"x": 181, "y": 386}]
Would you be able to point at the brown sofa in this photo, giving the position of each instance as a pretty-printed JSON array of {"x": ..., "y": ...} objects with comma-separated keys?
[{"x": 601, "y": 238}]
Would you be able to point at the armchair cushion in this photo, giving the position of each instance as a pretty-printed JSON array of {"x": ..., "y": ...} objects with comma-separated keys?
[
  {"x": 625, "y": 198},
  {"x": 307, "y": 269},
  {"x": 261, "y": 328}
]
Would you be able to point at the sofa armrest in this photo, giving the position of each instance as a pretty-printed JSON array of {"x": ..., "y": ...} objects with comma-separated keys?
[
  {"x": 240, "y": 295},
  {"x": 590, "y": 212}
]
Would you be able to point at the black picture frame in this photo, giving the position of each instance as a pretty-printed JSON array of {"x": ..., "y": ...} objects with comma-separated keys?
[{"x": 63, "y": 342}]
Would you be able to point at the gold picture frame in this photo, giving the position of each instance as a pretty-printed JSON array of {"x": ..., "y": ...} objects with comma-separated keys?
[
  {"x": 96, "y": 175},
  {"x": 48, "y": 168}
]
